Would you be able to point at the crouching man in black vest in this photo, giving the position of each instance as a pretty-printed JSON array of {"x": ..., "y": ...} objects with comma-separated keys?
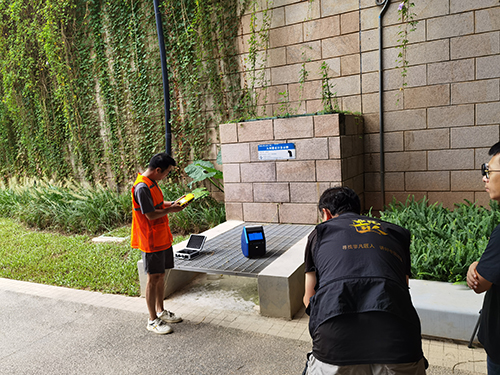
[{"x": 362, "y": 320}]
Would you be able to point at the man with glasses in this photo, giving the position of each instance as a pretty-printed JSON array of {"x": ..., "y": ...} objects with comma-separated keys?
[
  {"x": 151, "y": 234},
  {"x": 484, "y": 276}
]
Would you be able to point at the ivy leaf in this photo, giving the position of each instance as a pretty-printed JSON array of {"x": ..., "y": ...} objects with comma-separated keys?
[
  {"x": 200, "y": 170},
  {"x": 201, "y": 192},
  {"x": 219, "y": 157}
]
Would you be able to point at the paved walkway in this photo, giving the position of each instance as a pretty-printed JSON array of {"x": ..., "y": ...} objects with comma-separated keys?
[{"x": 248, "y": 344}]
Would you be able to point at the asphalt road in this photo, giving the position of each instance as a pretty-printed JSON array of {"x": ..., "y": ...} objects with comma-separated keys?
[
  {"x": 44, "y": 336},
  {"x": 40, "y": 335}
]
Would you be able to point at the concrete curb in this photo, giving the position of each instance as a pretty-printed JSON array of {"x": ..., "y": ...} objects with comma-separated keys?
[{"x": 446, "y": 310}]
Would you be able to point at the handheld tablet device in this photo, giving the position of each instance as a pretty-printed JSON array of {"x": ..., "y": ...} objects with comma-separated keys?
[{"x": 187, "y": 198}]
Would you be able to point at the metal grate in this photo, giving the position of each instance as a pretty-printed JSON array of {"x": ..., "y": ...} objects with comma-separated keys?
[{"x": 222, "y": 254}]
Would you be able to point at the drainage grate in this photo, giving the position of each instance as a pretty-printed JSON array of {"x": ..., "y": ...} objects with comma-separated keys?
[{"x": 222, "y": 254}]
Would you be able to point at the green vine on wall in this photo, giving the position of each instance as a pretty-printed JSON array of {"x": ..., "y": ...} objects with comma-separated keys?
[
  {"x": 202, "y": 58},
  {"x": 80, "y": 84},
  {"x": 408, "y": 25}
]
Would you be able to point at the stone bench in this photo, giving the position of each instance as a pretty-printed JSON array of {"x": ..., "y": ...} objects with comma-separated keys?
[{"x": 280, "y": 284}]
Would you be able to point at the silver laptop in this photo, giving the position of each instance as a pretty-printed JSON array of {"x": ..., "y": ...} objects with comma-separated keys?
[{"x": 193, "y": 247}]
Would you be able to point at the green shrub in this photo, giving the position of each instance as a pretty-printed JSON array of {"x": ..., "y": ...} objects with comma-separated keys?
[
  {"x": 444, "y": 242},
  {"x": 199, "y": 216},
  {"x": 66, "y": 207},
  {"x": 75, "y": 209}
]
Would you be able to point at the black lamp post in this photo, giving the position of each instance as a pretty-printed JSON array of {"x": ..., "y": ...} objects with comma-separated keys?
[{"x": 164, "y": 73}]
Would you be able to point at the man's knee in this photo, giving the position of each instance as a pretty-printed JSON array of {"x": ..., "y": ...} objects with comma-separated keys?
[{"x": 155, "y": 278}]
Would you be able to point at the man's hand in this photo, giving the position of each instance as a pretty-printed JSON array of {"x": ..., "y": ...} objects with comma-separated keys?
[
  {"x": 169, "y": 208},
  {"x": 472, "y": 279},
  {"x": 475, "y": 281},
  {"x": 176, "y": 207}
]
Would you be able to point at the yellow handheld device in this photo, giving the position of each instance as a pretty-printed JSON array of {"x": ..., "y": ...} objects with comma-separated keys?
[{"x": 187, "y": 198}]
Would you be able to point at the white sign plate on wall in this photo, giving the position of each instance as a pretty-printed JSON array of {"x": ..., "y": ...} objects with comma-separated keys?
[{"x": 278, "y": 151}]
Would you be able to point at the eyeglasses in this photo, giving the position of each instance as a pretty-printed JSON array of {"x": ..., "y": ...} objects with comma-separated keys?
[{"x": 485, "y": 171}]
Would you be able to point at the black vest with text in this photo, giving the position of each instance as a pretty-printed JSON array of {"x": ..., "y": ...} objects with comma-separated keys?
[{"x": 361, "y": 266}]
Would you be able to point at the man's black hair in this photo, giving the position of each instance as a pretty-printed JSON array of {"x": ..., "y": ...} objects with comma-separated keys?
[
  {"x": 339, "y": 200},
  {"x": 495, "y": 149},
  {"x": 162, "y": 161}
]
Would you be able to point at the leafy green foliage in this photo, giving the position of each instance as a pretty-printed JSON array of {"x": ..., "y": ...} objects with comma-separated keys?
[
  {"x": 408, "y": 25},
  {"x": 200, "y": 170},
  {"x": 444, "y": 242},
  {"x": 68, "y": 69},
  {"x": 202, "y": 58},
  {"x": 199, "y": 216},
  {"x": 328, "y": 96},
  {"x": 80, "y": 84},
  {"x": 72, "y": 208},
  {"x": 68, "y": 208}
]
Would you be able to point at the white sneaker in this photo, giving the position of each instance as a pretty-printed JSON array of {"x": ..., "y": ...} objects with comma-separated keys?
[
  {"x": 169, "y": 317},
  {"x": 159, "y": 326}
]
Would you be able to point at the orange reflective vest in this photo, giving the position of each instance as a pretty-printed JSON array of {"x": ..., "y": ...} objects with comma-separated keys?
[{"x": 149, "y": 235}]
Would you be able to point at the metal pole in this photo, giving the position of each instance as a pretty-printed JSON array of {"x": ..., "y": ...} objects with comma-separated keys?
[
  {"x": 385, "y": 4},
  {"x": 164, "y": 73},
  {"x": 475, "y": 331}
]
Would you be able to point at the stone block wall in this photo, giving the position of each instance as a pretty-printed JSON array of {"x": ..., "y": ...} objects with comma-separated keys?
[
  {"x": 329, "y": 152},
  {"x": 437, "y": 130}
]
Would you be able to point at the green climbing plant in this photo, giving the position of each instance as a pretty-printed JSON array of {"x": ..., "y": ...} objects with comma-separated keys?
[
  {"x": 407, "y": 26},
  {"x": 81, "y": 91},
  {"x": 328, "y": 95}
]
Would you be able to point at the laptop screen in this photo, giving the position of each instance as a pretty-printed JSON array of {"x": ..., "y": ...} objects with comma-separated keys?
[{"x": 196, "y": 241}]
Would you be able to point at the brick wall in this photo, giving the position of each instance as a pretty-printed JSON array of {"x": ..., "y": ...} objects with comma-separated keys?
[
  {"x": 437, "y": 134},
  {"x": 329, "y": 152}
]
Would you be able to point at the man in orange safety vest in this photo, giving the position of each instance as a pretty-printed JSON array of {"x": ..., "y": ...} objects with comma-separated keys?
[{"x": 151, "y": 234}]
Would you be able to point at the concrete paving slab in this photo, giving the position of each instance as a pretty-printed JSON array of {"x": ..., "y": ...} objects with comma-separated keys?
[{"x": 53, "y": 330}]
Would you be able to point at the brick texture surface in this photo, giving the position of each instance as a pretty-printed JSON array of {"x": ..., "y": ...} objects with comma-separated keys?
[
  {"x": 234, "y": 211},
  {"x": 451, "y": 116},
  {"x": 450, "y": 26},
  {"x": 321, "y": 28},
  {"x": 427, "y": 181},
  {"x": 238, "y": 192},
  {"x": 451, "y": 159},
  {"x": 438, "y": 129},
  {"x": 488, "y": 20},
  {"x": 475, "y": 45},
  {"x": 307, "y": 192},
  {"x": 326, "y": 125},
  {"x": 299, "y": 213},
  {"x": 261, "y": 212},
  {"x": 254, "y": 131},
  {"x": 311, "y": 148},
  {"x": 448, "y": 199},
  {"x": 297, "y": 127},
  {"x": 466, "y": 181},
  {"x": 488, "y": 113},
  {"x": 296, "y": 171},
  {"x": 477, "y": 91},
  {"x": 228, "y": 133},
  {"x": 328, "y": 170},
  {"x": 488, "y": 67},
  {"x": 427, "y": 139},
  {"x": 278, "y": 192},
  {"x": 258, "y": 172},
  {"x": 477, "y": 136}
]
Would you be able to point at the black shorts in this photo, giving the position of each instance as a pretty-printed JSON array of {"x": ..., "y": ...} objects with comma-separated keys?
[{"x": 158, "y": 261}]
